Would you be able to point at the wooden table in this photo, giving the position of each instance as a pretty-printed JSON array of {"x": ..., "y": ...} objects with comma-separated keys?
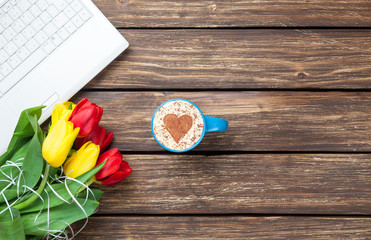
[{"x": 292, "y": 77}]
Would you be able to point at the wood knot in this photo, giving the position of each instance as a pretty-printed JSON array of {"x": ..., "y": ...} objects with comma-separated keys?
[{"x": 301, "y": 75}]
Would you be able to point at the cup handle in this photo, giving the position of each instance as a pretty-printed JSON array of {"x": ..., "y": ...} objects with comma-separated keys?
[{"x": 214, "y": 124}]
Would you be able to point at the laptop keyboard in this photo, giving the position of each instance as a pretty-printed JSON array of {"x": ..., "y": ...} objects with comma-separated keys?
[{"x": 30, "y": 30}]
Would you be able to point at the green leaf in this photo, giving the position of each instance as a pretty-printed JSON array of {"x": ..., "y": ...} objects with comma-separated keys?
[
  {"x": 60, "y": 188},
  {"x": 53, "y": 171},
  {"x": 23, "y": 134},
  {"x": 11, "y": 170},
  {"x": 97, "y": 194},
  {"x": 33, "y": 161},
  {"x": 59, "y": 217},
  {"x": 9, "y": 194},
  {"x": 32, "y": 167},
  {"x": 11, "y": 228},
  {"x": 19, "y": 139}
]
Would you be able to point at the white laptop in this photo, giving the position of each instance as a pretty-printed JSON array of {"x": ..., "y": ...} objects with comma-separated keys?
[{"x": 49, "y": 49}]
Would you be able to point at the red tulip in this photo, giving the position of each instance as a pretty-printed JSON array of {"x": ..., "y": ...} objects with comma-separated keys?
[
  {"x": 99, "y": 136},
  {"x": 86, "y": 116},
  {"x": 114, "y": 171}
]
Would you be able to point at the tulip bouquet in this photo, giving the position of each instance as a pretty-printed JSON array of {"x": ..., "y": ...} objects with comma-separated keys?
[{"x": 45, "y": 176}]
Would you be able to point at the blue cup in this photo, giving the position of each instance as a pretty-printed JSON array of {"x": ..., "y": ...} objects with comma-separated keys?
[{"x": 210, "y": 124}]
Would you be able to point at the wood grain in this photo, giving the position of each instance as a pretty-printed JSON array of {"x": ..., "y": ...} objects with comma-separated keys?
[
  {"x": 236, "y": 13},
  {"x": 258, "y": 120},
  {"x": 222, "y": 227},
  {"x": 235, "y": 59},
  {"x": 243, "y": 183}
]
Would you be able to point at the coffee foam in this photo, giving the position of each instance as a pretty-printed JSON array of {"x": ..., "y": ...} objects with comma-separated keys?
[{"x": 179, "y": 108}]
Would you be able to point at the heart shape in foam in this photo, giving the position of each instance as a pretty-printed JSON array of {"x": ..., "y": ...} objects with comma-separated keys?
[{"x": 177, "y": 126}]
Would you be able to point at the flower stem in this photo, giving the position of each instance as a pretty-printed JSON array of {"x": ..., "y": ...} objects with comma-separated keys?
[{"x": 38, "y": 191}]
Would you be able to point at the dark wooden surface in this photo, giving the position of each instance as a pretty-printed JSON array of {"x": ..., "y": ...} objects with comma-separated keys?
[
  {"x": 236, "y": 13},
  {"x": 243, "y": 183},
  {"x": 292, "y": 77},
  {"x": 258, "y": 120},
  {"x": 226, "y": 227},
  {"x": 241, "y": 59}
]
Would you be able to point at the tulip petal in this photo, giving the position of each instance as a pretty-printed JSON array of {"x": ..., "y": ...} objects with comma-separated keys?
[
  {"x": 86, "y": 115},
  {"x": 78, "y": 106},
  {"x": 58, "y": 142},
  {"x": 61, "y": 111},
  {"x": 65, "y": 147},
  {"x": 112, "y": 165},
  {"x": 82, "y": 161},
  {"x": 107, "y": 141},
  {"x": 117, "y": 177},
  {"x": 98, "y": 136}
]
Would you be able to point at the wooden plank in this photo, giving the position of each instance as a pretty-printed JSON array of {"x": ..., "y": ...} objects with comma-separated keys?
[
  {"x": 243, "y": 183},
  {"x": 225, "y": 227},
  {"x": 235, "y": 59},
  {"x": 236, "y": 13},
  {"x": 258, "y": 120}
]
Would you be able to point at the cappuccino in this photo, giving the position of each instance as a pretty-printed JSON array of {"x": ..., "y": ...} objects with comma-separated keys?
[{"x": 178, "y": 125}]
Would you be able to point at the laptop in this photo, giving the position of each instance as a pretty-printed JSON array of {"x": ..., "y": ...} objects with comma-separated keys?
[{"x": 49, "y": 49}]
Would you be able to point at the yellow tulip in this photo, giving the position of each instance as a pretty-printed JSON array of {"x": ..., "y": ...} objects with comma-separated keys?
[
  {"x": 62, "y": 111},
  {"x": 81, "y": 161},
  {"x": 58, "y": 142}
]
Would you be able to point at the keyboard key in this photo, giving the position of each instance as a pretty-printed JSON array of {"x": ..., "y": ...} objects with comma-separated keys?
[
  {"x": 56, "y": 40},
  {"x": 9, "y": 34},
  {"x": 35, "y": 10},
  {"x": 19, "y": 40},
  {"x": 60, "y": 20},
  {"x": 27, "y": 18},
  {"x": 53, "y": 11},
  {"x": 45, "y": 17},
  {"x": 41, "y": 37},
  {"x": 32, "y": 45},
  {"x": 63, "y": 33},
  {"x": 50, "y": 29},
  {"x": 85, "y": 15},
  {"x": 48, "y": 47},
  {"x": 42, "y": 4},
  {"x": 6, "y": 7},
  {"x": 14, "y": 61},
  {"x": 3, "y": 56},
  {"x": 76, "y": 5},
  {"x": 3, "y": 41},
  {"x": 18, "y": 25},
  {"x": 5, "y": 21},
  {"x": 77, "y": 21},
  {"x": 28, "y": 32},
  {"x": 69, "y": 12},
  {"x": 23, "y": 5},
  {"x": 13, "y": 2},
  {"x": 60, "y": 4},
  {"x": 15, "y": 13},
  {"x": 24, "y": 68},
  {"x": 10, "y": 48},
  {"x": 5, "y": 69},
  {"x": 70, "y": 27},
  {"x": 23, "y": 53},
  {"x": 38, "y": 24}
]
